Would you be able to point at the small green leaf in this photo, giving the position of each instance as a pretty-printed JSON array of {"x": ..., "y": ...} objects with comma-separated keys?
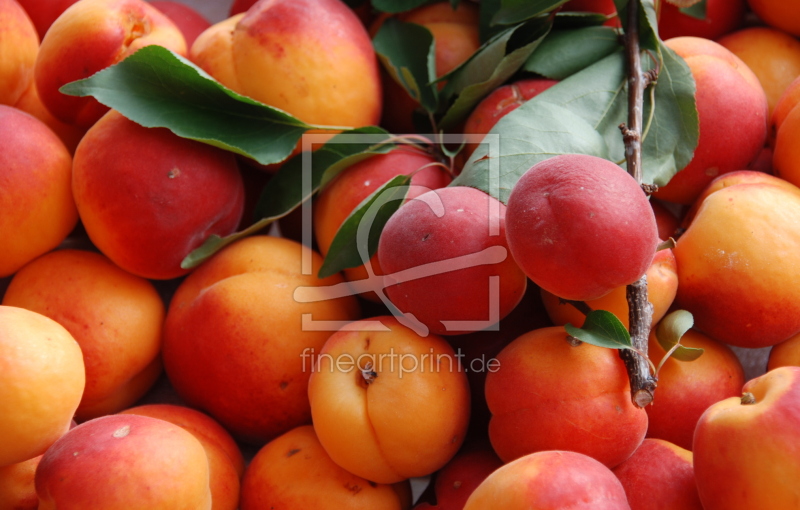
[
  {"x": 571, "y": 20},
  {"x": 155, "y": 87},
  {"x": 565, "y": 52},
  {"x": 697, "y": 10},
  {"x": 670, "y": 331},
  {"x": 407, "y": 52},
  {"x": 491, "y": 66},
  {"x": 603, "y": 329},
  {"x": 287, "y": 189},
  {"x": 345, "y": 251},
  {"x": 517, "y": 11}
]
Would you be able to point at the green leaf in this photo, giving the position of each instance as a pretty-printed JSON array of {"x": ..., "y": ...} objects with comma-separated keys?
[
  {"x": 670, "y": 331},
  {"x": 287, "y": 188},
  {"x": 582, "y": 114},
  {"x": 517, "y": 11},
  {"x": 488, "y": 9},
  {"x": 345, "y": 251},
  {"x": 157, "y": 88},
  {"x": 565, "y": 52},
  {"x": 603, "y": 329},
  {"x": 492, "y": 65},
  {"x": 648, "y": 22},
  {"x": 407, "y": 52},
  {"x": 697, "y": 10},
  {"x": 395, "y": 6},
  {"x": 570, "y": 20}
]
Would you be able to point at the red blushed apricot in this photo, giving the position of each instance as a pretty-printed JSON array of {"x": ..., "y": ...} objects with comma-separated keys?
[
  {"x": 115, "y": 317},
  {"x": 580, "y": 226},
  {"x": 687, "y": 388},
  {"x": 44, "y": 12},
  {"x": 346, "y": 192},
  {"x": 551, "y": 480},
  {"x": 37, "y": 209},
  {"x": 666, "y": 221},
  {"x": 124, "y": 461},
  {"x": 294, "y": 471},
  {"x": 148, "y": 197},
  {"x": 18, "y": 48},
  {"x": 773, "y": 55},
  {"x": 454, "y": 483},
  {"x": 535, "y": 408},
  {"x": 92, "y": 35},
  {"x": 659, "y": 476},
  {"x": 722, "y": 17},
  {"x": 225, "y": 461},
  {"x": 388, "y": 404},
  {"x": 311, "y": 58},
  {"x": 449, "y": 252},
  {"x": 732, "y": 111},
  {"x": 737, "y": 267},
  {"x": 187, "y": 19},
  {"x": 236, "y": 342},
  {"x": 779, "y": 14},
  {"x": 662, "y": 284}
]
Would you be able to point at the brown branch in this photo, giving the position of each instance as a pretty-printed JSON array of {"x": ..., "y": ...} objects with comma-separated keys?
[{"x": 643, "y": 382}]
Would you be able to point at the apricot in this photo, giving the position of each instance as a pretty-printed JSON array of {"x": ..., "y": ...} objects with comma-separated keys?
[
  {"x": 44, "y": 12},
  {"x": 535, "y": 407},
  {"x": 785, "y": 354},
  {"x": 348, "y": 190},
  {"x": 294, "y": 471},
  {"x": 732, "y": 112},
  {"x": 737, "y": 272},
  {"x": 722, "y": 17},
  {"x": 41, "y": 382},
  {"x": 550, "y": 480},
  {"x": 580, "y": 226},
  {"x": 17, "y": 490},
  {"x": 18, "y": 49},
  {"x": 310, "y": 58},
  {"x": 448, "y": 248},
  {"x": 190, "y": 22},
  {"x": 659, "y": 476},
  {"x": 779, "y": 14},
  {"x": 606, "y": 7},
  {"x": 89, "y": 36},
  {"x": 115, "y": 317},
  {"x": 772, "y": 55},
  {"x": 37, "y": 209},
  {"x": 236, "y": 344},
  {"x": 784, "y": 159},
  {"x": 687, "y": 388},
  {"x": 745, "y": 448},
  {"x": 148, "y": 197},
  {"x": 225, "y": 460},
  {"x": 455, "y": 482},
  {"x": 386, "y": 403},
  {"x": 124, "y": 462},
  {"x": 786, "y": 103},
  {"x": 662, "y": 284},
  {"x": 31, "y": 103},
  {"x": 666, "y": 221}
]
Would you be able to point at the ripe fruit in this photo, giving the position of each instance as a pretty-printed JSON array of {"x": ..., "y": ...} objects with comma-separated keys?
[
  {"x": 449, "y": 227},
  {"x": 115, "y": 317},
  {"x": 551, "y": 480},
  {"x": 41, "y": 381},
  {"x": 37, "y": 210},
  {"x": 722, "y": 17},
  {"x": 386, "y": 403},
  {"x": 580, "y": 226},
  {"x": 737, "y": 270},
  {"x": 746, "y": 448},
  {"x": 294, "y": 471},
  {"x": 18, "y": 48},
  {"x": 732, "y": 111},
  {"x": 535, "y": 407},
  {"x": 779, "y": 14},
  {"x": 91, "y": 35},
  {"x": 125, "y": 461},
  {"x": 146, "y": 209}
]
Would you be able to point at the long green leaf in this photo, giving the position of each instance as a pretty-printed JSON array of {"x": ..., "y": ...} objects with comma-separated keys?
[
  {"x": 517, "y": 11},
  {"x": 157, "y": 88},
  {"x": 603, "y": 329},
  {"x": 565, "y": 52}
]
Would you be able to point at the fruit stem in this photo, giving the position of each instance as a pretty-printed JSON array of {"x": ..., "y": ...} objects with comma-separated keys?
[{"x": 640, "y": 318}]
